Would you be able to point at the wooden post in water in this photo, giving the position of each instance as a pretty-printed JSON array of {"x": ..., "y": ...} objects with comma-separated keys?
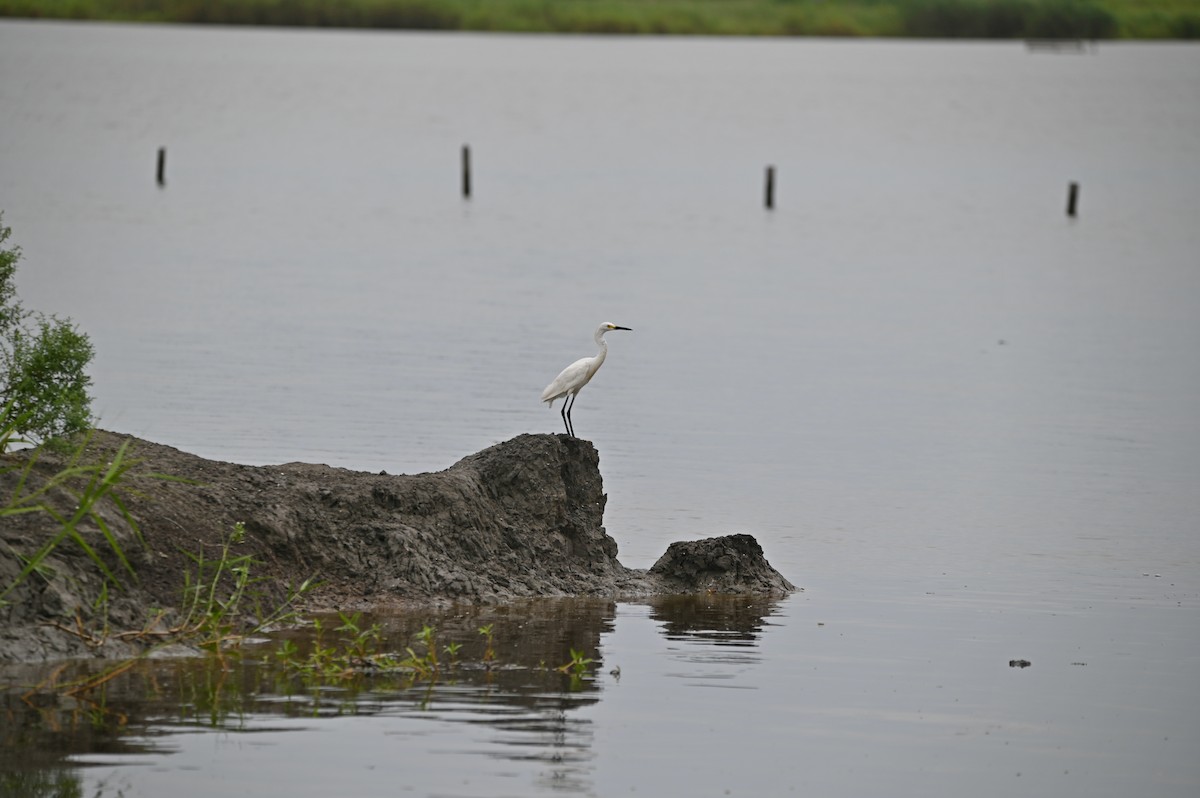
[
  {"x": 466, "y": 172},
  {"x": 769, "y": 198},
  {"x": 162, "y": 166},
  {"x": 1072, "y": 198}
]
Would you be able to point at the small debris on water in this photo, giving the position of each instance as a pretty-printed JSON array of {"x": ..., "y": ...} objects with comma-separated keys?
[
  {"x": 1019, "y": 663},
  {"x": 1079, "y": 663}
]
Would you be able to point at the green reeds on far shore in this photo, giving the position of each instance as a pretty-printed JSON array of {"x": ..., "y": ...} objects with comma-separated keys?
[{"x": 1078, "y": 19}]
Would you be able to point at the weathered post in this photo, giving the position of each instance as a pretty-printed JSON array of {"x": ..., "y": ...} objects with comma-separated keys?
[
  {"x": 769, "y": 199},
  {"x": 466, "y": 172},
  {"x": 1072, "y": 198},
  {"x": 162, "y": 166}
]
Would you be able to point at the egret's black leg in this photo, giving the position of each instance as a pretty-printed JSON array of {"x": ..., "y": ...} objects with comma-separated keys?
[
  {"x": 563, "y": 413},
  {"x": 570, "y": 423}
]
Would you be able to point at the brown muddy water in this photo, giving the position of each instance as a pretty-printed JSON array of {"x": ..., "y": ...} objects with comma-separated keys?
[{"x": 964, "y": 423}]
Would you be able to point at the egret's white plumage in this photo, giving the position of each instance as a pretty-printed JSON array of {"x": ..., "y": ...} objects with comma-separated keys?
[{"x": 567, "y": 384}]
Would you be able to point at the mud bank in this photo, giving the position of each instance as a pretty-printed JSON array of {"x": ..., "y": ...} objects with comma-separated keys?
[{"x": 521, "y": 518}]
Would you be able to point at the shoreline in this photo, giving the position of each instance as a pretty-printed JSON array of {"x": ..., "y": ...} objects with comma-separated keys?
[{"x": 1084, "y": 20}]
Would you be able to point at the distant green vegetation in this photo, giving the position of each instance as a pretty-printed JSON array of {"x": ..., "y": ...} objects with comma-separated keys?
[{"x": 1074, "y": 19}]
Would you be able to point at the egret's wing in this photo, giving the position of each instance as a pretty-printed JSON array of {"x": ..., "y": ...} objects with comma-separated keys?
[{"x": 572, "y": 378}]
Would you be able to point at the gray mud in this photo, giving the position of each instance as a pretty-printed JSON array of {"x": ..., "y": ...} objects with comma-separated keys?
[{"x": 519, "y": 519}]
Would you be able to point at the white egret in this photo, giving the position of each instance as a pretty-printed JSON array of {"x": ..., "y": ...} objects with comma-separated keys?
[{"x": 566, "y": 385}]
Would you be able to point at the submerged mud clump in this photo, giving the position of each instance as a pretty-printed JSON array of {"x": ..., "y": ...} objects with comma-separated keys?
[{"x": 521, "y": 518}]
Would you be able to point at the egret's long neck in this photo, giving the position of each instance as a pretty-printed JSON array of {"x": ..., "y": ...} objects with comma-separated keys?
[{"x": 600, "y": 342}]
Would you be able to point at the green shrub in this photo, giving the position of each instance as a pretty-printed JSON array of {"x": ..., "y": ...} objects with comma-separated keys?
[
  {"x": 997, "y": 19},
  {"x": 1186, "y": 26},
  {"x": 43, "y": 383},
  {"x": 1069, "y": 19}
]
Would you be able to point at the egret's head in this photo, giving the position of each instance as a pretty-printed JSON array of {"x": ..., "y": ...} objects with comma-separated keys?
[{"x": 608, "y": 325}]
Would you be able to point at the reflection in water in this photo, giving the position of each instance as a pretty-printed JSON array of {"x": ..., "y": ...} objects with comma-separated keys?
[
  {"x": 712, "y": 640},
  {"x": 723, "y": 620},
  {"x": 526, "y": 707}
]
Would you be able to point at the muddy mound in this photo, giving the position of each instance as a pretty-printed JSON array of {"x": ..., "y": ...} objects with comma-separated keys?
[
  {"x": 521, "y": 518},
  {"x": 728, "y": 564}
]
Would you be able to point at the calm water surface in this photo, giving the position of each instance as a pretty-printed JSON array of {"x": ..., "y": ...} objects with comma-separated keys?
[{"x": 967, "y": 425}]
